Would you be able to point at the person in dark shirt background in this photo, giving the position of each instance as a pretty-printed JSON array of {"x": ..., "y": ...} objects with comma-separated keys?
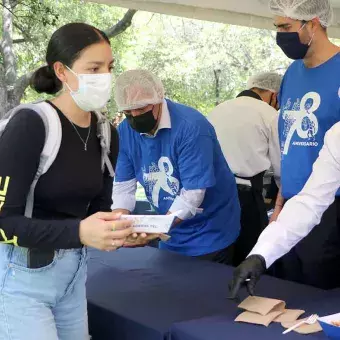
[{"x": 43, "y": 258}]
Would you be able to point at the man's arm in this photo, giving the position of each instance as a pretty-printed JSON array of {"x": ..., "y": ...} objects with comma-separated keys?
[
  {"x": 125, "y": 183},
  {"x": 279, "y": 203},
  {"x": 187, "y": 204},
  {"x": 304, "y": 211},
  {"x": 275, "y": 159},
  {"x": 124, "y": 196},
  {"x": 196, "y": 167},
  {"x": 274, "y": 151}
]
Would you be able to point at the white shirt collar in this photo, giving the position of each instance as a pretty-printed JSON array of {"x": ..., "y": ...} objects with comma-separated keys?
[{"x": 165, "y": 121}]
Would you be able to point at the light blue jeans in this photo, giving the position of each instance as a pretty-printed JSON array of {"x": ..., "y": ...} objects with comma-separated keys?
[{"x": 48, "y": 303}]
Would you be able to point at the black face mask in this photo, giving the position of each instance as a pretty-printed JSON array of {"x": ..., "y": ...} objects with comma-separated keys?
[
  {"x": 291, "y": 45},
  {"x": 273, "y": 103},
  {"x": 143, "y": 123}
]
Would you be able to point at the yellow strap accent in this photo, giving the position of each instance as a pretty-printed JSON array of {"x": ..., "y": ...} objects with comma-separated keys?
[
  {"x": 3, "y": 194},
  {"x": 4, "y": 191},
  {"x": 14, "y": 241}
]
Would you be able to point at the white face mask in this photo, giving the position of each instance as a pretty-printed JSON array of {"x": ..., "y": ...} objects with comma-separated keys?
[{"x": 94, "y": 90}]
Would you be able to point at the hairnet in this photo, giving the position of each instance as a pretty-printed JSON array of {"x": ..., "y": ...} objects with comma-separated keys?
[
  {"x": 303, "y": 10},
  {"x": 270, "y": 81},
  {"x": 138, "y": 88}
]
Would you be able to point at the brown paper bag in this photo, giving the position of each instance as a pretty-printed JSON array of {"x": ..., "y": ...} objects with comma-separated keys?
[
  {"x": 262, "y": 305},
  {"x": 258, "y": 319},
  {"x": 304, "y": 329},
  {"x": 289, "y": 315}
]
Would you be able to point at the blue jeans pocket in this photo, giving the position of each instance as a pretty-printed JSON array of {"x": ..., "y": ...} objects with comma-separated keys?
[
  {"x": 47, "y": 303},
  {"x": 19, "y": 260}
]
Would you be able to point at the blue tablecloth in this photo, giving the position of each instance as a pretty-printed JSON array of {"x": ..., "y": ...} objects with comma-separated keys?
[
  {"x": 138, "y": 294},
  {"x": 223, "y": 327}
]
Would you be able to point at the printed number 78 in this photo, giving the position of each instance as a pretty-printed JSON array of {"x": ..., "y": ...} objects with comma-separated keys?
[{"x": 299, "y": 116}]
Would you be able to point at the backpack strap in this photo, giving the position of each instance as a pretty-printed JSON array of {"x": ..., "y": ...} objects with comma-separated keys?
[
  {"x": 53, "y": 132},
  {"x": 53, "y": 135},
  {"x": 104, "y": 135}
]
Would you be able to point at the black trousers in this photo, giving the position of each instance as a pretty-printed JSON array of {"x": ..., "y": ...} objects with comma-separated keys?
[
  {"x": 224, "y": 256},
  {"x": 315, "y": 260},
  {"x": 254, "y": 219}
]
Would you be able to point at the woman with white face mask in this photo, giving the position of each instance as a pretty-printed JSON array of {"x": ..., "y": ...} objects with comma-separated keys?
[{"x": 43, "y": 258}]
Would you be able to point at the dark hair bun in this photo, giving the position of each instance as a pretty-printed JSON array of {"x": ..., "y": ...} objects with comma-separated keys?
[{"x": 44, "y": 80}]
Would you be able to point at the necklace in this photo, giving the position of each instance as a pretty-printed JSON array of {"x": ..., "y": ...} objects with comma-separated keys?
[{"x": 88, "y": 134}]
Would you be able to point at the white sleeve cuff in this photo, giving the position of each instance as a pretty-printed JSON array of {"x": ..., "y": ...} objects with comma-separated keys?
[
  {"x": 124, "y": 195},
  {"x": 187, "y": 203}
]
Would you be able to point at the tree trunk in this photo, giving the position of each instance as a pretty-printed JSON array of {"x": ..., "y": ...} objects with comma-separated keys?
[
  {"x": 217, "y": 74},
  {"x": 8, "y": 71},
  {"x": 3, "y": 99},
  {"x": 3, "y": 91}
]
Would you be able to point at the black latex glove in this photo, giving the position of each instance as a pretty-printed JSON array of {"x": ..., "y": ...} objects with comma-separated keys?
[{"x": 251, "y": 268}]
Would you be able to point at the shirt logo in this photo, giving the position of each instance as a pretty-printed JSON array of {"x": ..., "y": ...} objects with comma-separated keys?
[
  {"x": 160, "y": 177},
  {"x": 3, "y": 190},
  {"x": 4, "y": 182},
  {"x": 302, "y": 119}
]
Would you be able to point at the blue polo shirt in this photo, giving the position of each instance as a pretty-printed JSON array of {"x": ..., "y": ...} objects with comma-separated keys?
[
  {"x": 187, "y": 156},
  {"x": 310, "y": 106}
]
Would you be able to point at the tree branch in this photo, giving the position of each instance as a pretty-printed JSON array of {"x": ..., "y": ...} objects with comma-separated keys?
[
  {"x": 13, "y": 3},
  {"x": 2, "y": 44},
  {"x": 8, "y": 53},
  {"x": 19, "y": 41},
  {"x": 150, "y": 19},
  {"x": 121, "y": 25},
  {"x": 24, "y": 33},
  {"x": 19, "y": 27},
  {"x": 7, "y": 8},
  {"x": 21, "y": 84}
]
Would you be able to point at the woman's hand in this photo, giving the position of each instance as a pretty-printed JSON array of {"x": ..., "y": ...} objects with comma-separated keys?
[{"x": 104, "y": 231}]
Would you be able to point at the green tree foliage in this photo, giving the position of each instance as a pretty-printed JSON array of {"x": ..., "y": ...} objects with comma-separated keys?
[
  {"x": 189, "y": 55},
  {"x": 201, "y": 63},
  {"x": 26, "y": 28}
]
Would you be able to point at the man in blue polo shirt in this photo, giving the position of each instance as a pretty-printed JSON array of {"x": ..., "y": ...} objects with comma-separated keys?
[
  {"x": 310, "y": 106},
  {"x": 173, "y": 152}
]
